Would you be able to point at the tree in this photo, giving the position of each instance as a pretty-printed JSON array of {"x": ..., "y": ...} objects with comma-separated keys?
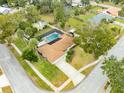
[
  {"x": 9, "y": 40},
  {"x": 20, "y": 33},
  {"x": 121, "y": 12},
  {"x": 114, "y": 69},
  {"x": 96, "y": 41},
  {"x": 59, "y": 14},
  {"x": 85, "y": 2},
  {"x": 24, "y": 24},
  {"x": 29, "y": 32},
  {"x": 2, "y": 2},
  {"x": 45, "y": 6},
  {"x": 32, "y": 14},
  {"x": 30, "y": 55},
  {"x": 69, "y": 55},
  {"x": 33, "y": 43}
]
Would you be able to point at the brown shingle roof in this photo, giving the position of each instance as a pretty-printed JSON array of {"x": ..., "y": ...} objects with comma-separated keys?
[{"x": 54, "y": 51}]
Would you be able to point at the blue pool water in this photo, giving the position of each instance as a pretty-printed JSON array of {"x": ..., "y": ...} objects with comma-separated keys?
[{"x": 52, "y": 37}]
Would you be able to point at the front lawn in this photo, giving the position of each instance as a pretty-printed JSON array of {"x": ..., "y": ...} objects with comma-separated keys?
[
  {"x": 36, "y": 80},
  {"x": 20, "y": 43},
  {"x": 51, "y": 72},
  {"x": 81, "y": 58},
  {"x": 68, "y": 87},
  {"x": 88, "y": 70}
]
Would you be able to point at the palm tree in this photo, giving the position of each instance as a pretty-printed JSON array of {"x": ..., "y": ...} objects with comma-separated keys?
[
  {"x": 20, "y": 33},
  {"x": 33, "y": 43}
]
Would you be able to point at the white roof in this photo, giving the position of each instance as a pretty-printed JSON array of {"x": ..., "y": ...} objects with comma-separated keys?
[
  {"x": 40, "y": 24},
  {"x": 4, "y": 10}
]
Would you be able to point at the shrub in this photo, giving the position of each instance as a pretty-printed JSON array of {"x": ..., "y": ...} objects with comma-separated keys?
[
  {"x": 69, "y": 55},
  {"x": 30, "y": 55}
]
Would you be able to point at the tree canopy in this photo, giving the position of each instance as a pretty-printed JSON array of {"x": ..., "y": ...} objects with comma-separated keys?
[
  {"x": 114, "y": 69},
  {"x": 96, "y": 41},
  {"x": 121, "y": 12}
]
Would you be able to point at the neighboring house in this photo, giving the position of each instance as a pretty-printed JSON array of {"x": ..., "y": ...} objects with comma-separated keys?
[
  {"x": 74, "y": 2},
  {"x": 40, "y": 25},
  {"x": 4, "y": 10},
  {"x": 99, "y": 17},
  {"x": 112, "y": 11}
]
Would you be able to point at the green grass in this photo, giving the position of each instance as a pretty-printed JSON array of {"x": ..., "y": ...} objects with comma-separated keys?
[
  {"x": 20, "y": 43},
  {"x": 86, "y": 17},
  {"x": 81, "y": 58},
  {"x": 68, "y": 87},
  {"x": 7, "y": 89},
  {"x": 73, "y": 22},
  {"x": 37, "y": 81},
  {"x": 51, "y": 72},
  {"x": 48, "y": 17},
  {"x": 43, "y": 31},
  {"x": 119, "y": 20},
  {"x": 88, "y": 70},
  {"x": 108, "y": 3}
]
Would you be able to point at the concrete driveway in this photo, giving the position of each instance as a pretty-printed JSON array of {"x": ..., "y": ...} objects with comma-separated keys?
[{"x": 69, "y": 70}]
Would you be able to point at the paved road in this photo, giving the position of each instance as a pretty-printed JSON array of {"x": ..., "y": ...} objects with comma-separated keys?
[
  {"x": 118, "y": 23},
  {"x": 104, "y": 5},
  {"x": 18, "y": 79}
]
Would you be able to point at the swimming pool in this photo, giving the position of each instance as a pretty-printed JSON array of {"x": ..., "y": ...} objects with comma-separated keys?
[{"x": 52, "y": 37}]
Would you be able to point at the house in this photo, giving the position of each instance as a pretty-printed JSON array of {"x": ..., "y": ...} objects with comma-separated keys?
[
  {"x": 4, "y": 10},
  {"x": 54, "y": 45},
  {"x": 40, "y": 25},
  {"x": 74, "y": 3},
  {"x": 99, "y": 17},
  {"x": 112, "y": 11}
]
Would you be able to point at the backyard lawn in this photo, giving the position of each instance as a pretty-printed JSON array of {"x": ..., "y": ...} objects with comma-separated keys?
[
  {"x": 43, "y": 31},
  {"x": 37, "y": 81},
  {"x": 80, "y": 58},
  {"x": 86, "y": 17},
  {"x": 51, "y": 72},
  {"x": 49, "y": 18},
  {"x": 73, "y": 22}
]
